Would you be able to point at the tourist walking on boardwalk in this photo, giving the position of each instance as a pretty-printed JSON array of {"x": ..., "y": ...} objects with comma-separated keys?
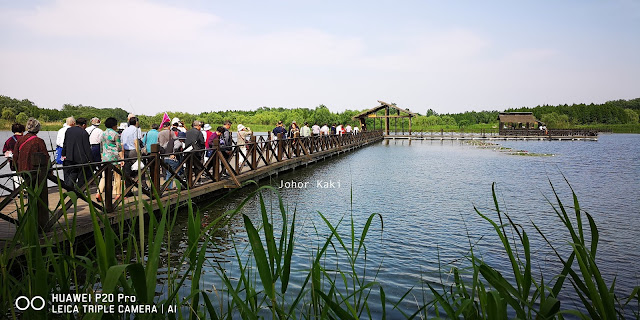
[
  {"x": 111, "y": 150},
  {"x": 279, "y": 129},
  {"x": 305, "y": 131},
  {"x": 315, "y": 129},
  {"x": 27, "y": 145},
  {"x": 348, "y": 128},
  {"x": 76, "y": 151},
  {"x": 206, "y": 131},
  {"x": 356, "y": 130},
  {"x": 167, "y": 141},
  {"x": 151, "y": 137},
  {"x": 130, "y": 138},
  {"x": 324, "y": 130},
  {"x": 333, "y": 129},
  {"x": 69, "y": 122},
  {"x": 293, "y": 129},
  {"x": 244, "y": 137},
  {"x": 17, "y": 129},
  {"x": 227, "y": 136},
  {"x": 195, "y": 140},
  {"x": 95, "y": 136}
]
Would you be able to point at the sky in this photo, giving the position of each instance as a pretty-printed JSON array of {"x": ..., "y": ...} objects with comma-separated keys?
[{"x": 202, "y": 55}]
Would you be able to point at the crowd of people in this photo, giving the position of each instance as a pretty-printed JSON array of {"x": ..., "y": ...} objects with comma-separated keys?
[
  {"x": 81, "y": 142},
  {"x": 315, "y": 130}
]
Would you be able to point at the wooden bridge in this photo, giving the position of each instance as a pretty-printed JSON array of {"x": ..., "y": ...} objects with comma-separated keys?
[
  {"x": 260, "y": 158},
  {"x": 519, "y": 134}
]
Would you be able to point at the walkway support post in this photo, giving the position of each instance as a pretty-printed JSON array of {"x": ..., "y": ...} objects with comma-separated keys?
[
  {"x": 155, "y": 168},
  {"x": 108, "y": 188},
  {"x": 216, "y": 159},
  {"x": 254, "y": 155},
  {"x": 280, "y": 142}
]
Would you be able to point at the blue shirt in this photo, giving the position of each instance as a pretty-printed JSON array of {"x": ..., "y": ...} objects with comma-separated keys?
[
  {"x": 150, "y": 138},
  {"x": 128, "y": 137}
]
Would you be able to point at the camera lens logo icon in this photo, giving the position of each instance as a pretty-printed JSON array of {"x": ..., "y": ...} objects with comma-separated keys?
[{"x": 36, "y": 303}]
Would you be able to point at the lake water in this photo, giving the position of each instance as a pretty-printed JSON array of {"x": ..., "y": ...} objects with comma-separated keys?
[{"x": 426, "y": 191}]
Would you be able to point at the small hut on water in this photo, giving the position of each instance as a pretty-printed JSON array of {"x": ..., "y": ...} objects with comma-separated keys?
[
  {"x": 388, "y": 108},
  {"x": 510, "y": 122}
]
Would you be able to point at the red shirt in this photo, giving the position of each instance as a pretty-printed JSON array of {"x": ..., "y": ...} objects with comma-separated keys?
[{"x": 23, "y": 149}]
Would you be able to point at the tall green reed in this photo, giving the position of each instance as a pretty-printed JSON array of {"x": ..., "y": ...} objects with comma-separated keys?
[{"x": 491, "y": 295}]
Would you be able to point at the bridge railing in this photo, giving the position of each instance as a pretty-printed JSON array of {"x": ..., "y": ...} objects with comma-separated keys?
[
  {"x": 193, "y": 169},
  {"x": 549, "y": 132}
]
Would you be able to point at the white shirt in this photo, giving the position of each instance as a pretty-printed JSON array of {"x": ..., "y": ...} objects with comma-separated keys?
[
  {"x": 315, "y": 129},
  {"x": 324, "y": 129},
  {"x": 348, "y": 128},
  {"x": 355, "y": 130},
  {"x": 95, "y": 134},
  {"x": 60, "y": 137}
]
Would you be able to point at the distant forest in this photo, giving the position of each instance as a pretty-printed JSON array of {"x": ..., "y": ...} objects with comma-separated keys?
[{"x": 617, "y": 112}]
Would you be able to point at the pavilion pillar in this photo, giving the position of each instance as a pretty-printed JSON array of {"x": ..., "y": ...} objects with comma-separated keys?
[{"x": 386, "y": 120}]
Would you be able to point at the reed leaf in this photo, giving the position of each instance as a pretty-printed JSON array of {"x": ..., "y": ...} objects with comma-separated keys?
[{"x": 260, "y": 257}]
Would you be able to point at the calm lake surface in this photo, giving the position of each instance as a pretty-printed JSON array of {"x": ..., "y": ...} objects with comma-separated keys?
[{"x": 426, "y": 191}]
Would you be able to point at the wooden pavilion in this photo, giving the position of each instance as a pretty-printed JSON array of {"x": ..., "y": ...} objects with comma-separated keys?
[
  {"x": 517, "y": 120},
  {"x": 373, "y": 113}
]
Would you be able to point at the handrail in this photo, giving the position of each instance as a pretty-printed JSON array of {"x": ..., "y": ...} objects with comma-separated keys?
[{"x": 226, "y": 163}]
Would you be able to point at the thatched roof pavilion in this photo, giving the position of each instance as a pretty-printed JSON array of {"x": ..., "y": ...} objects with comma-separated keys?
[{"x": 372, "y": 113}]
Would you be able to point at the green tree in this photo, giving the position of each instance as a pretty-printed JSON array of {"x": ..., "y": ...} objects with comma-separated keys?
[
  {"x": 555, "y": 120},
  {"x": 8, "y": 114},
  {"x": 632, "y": 116},
  {"x": 22, "y": 118}
]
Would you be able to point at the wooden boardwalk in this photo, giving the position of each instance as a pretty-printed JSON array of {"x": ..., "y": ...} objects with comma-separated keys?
[
  {"x": 477, "y": 136},
  {"x": 259, "y": 159}
]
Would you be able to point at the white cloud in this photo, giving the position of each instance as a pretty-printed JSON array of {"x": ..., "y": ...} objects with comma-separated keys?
[
  {"x": 153, "y": 56},
  {"x": 124, "y": 20}
]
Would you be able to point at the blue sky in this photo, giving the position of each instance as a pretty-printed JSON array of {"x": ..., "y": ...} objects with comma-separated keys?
[{"x": 195, "y": 56}]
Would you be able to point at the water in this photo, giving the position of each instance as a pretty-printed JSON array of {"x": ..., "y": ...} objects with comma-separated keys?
[{"x": 426, "y": 192}]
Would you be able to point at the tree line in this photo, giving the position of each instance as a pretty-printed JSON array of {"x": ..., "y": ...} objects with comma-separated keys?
[{"x": 560, "y": 116}]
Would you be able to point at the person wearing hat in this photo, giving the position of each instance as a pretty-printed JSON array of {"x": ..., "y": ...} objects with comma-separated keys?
[
  {"x": 131, "y": 139},
  {"x": 95, "y": 134},
  {"x": 244, "y": 136},
  {"x": 206, "y": 131},
  {"x": 279, "y": 129}
]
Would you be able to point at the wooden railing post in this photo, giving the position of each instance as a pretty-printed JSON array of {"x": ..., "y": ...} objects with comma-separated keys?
[
  {"x": 216, "y": 160},
  {"x": 155, "y": 167},
  {"x": 280, "y": 145},
  {"x": 190, "y": 173},
  {"x": 40, "y": 162},
  {"x": 254, "y": 153},
  {"x": 267, "y": 151},
  {"x": 108, "y": 187},
  {"x": 296, "y": 141}
]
